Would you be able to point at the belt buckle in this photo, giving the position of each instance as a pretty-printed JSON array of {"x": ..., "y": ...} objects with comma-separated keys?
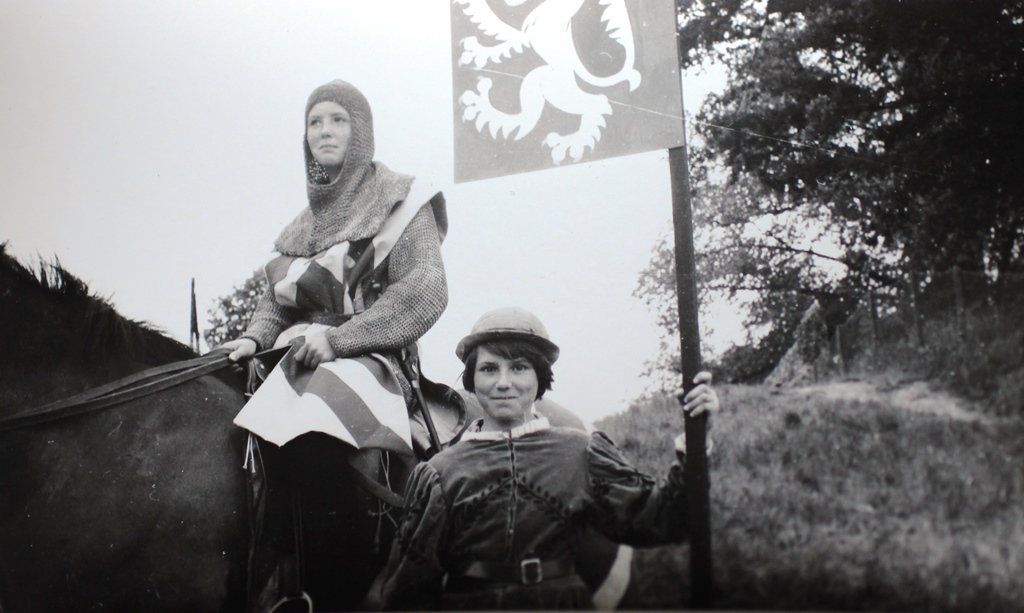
[{"x": 531, "y": 571}]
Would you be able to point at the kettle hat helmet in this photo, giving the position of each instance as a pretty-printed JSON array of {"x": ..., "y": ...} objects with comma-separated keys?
[{"x": 508, "y": 323}]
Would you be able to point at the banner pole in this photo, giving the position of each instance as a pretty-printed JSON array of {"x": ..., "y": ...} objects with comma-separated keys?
[
  {"x": 193, "y": 331},
  {"x": 696, "y": 466}
]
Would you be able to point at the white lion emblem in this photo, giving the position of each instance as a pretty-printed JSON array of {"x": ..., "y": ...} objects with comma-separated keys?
[{"x": 548, "y": 31}]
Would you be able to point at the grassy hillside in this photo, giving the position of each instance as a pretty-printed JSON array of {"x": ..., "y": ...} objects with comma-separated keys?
[{"x": 835, "y": 504}]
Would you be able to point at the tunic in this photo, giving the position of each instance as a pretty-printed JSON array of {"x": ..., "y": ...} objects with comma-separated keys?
[
  {"x": 411, "y": 297},
  {"x": 374, "y": 295},
  {"x": 505, "y": 497}
]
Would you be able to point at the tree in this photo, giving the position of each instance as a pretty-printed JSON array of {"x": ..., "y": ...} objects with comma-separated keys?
[
  {"x": 231, "y": 314},
  {"x": 855, "y": 140},
  {"x": 894, "y": 122}
]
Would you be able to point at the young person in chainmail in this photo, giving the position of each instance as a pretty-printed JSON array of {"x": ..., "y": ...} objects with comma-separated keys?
[{"x": 358, "y": 275}]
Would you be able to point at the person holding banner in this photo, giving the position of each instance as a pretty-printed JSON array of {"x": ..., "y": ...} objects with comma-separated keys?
[
  {"x": 494, "y": 521},
  {"x": 357, "y": 279}
]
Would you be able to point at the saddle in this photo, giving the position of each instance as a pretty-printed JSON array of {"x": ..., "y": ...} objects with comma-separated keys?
[{"x": 276, "y": 569}]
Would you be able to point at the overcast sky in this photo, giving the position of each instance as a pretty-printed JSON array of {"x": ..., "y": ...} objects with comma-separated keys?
[{"x": 147, "y": 143}]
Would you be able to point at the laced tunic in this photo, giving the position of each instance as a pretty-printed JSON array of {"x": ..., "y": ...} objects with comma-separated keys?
[{"x": 505, "y": 497}]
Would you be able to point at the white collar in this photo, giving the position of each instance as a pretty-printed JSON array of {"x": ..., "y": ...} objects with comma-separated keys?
[{"x": 536, "y": 424}]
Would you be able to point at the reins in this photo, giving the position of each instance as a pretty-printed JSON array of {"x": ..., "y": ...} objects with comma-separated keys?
[
  {"x": 163, "y": 377},
  {"x": 122, "y": 390}
]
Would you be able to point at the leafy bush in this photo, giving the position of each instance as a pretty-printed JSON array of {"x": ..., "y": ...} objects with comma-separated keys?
[{"x": 231, "y": 314}]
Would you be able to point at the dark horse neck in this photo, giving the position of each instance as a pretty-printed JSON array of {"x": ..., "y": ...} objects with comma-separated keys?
[
  {"x": 136, "y": 507},
  {"x": 142, "y": 506},
  {"x": 59, "y": 340}
]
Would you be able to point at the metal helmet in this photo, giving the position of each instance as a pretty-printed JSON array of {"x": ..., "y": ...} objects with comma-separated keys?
[{"x": 508, "y": 323}]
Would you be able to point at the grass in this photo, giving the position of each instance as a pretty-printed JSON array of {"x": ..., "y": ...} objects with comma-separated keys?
[{"x": 844, "y": 505}]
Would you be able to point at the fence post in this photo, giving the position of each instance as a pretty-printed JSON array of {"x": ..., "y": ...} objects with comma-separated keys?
[
  {"x": 874, "y": 320},
  {"x": 915, "y": 309},
  {"x": 839, "y": 351},
  {"x": 958, "y": 291}
]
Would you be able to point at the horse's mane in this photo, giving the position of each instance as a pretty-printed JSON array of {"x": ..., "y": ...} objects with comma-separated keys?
[{"x": 106, "y": 332}]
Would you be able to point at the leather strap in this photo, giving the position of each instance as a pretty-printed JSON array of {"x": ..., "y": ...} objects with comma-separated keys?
[
  {"x": 376, "y": 489},
  {"x": 527, "y": 572},
  {"x": 128, "y": 388}
]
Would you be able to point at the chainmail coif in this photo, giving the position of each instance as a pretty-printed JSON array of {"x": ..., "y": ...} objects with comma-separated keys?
[
  {"x": 415, "y": 291},
  {"x": 356, "y": 203}
]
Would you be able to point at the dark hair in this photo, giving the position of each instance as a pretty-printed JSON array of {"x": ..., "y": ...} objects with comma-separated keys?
[{"x": 511, "y": 350}]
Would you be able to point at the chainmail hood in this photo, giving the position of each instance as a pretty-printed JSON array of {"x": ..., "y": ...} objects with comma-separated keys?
[{"x": 357, "y": 202}]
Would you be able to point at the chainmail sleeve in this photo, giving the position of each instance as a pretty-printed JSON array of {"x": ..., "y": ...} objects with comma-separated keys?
[
  {"x": 630, "y": 506},
  {"x": 268, "y": 321},
  {"x": 412, "y": 301}
]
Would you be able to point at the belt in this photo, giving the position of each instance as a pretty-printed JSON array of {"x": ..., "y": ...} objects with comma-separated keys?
[
  {"x": 327, "y": 318},
  {"x": 526, "y": 572}
]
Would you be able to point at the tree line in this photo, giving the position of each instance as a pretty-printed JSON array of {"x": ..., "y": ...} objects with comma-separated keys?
[{"x": 857, "y": 145}]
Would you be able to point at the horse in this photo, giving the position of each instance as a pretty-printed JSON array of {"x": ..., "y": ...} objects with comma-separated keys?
[{"x": 145, "y": 505}]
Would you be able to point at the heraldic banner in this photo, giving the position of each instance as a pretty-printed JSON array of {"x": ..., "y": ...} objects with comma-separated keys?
[{"x": 538, "y": 83}]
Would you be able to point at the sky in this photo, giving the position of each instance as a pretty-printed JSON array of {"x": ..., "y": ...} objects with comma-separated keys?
[{"x": 146, "y": 144}]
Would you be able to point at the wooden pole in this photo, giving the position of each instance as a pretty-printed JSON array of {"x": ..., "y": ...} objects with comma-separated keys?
[
  {"x": 193, "y": 331},
  {"x": 840, "y": 356},
  {"x": 696, "y": 468},
  {"x": 958, "y": 297},
  {"x": 916, "y": 309},
  {"x": 698, "y": 516},
  {"x": 873, "y": 305}
]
